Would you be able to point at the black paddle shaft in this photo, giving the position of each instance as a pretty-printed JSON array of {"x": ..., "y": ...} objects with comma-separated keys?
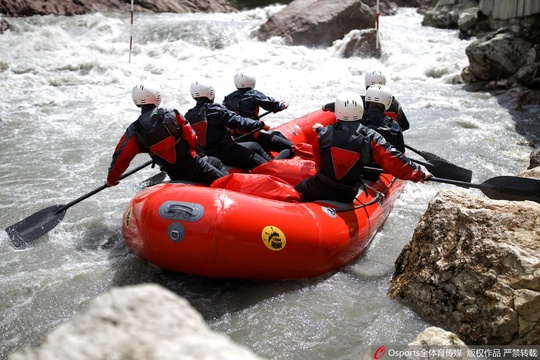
[
  {"x": 46, "y": 219},
  {"x": 102, "y": 187},
  {"x": 252, "y": 131}
]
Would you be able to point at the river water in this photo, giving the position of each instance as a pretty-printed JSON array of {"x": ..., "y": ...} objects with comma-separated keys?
[{"x": 65, "y": 100}]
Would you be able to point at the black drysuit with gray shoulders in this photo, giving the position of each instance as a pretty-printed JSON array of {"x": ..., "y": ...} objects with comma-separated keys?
[{"x": 211, "y": 122}]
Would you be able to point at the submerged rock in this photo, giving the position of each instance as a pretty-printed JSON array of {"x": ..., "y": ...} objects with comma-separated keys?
[
  {"x": 138, "y": 323},
  {"x": 434, "y": 339}
]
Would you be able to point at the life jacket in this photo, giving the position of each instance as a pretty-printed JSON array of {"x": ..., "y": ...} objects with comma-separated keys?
[
  {"x": 391, "y": 114},
  {"x": 232, "y": 101},
  {"x": 397, "y": 114},
  {"x": 343, "y": 155},
  {"x": 158, "y": 131},
  {"x": 386, "y": 126},
  {"x": 200, "y": 124}
]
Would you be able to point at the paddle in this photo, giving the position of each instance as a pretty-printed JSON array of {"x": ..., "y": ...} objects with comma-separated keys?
[
  {"x": 497, "y": 188},
  {"x": 153, "y": 180},
  {"x": 252, "y": 131},
  {"x": 503, "y": 187},
  {"x": 43, "y": 221},
  {"x": 448, "y": 171},
  {"x": 441, "y": 167}
]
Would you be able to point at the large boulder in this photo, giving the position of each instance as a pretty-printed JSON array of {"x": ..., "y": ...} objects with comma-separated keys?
[
  {"x": 506, "y": 52},
  {"x": 497, "y": 55},
  {"x": 473, "y": 267},
  {"x": 317, "y": 23},
  {"x": 447, "y": 13},
  {"x": 138, "y": 323}
]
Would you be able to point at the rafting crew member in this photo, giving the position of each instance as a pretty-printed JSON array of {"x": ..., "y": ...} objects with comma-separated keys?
[
  {"x": 344, "y": 148},
  {"x": 246, "y": 102},
  {"x": 212, "y": 121},
  {"x": 395, "y": 110},
  {"x": 378, "y": 100},
  {"x": 167, "y": 137}
]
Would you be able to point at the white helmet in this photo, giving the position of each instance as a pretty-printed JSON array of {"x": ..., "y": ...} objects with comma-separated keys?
[
  {"x": 199, "y": 89},
  {"x": 374, "y": 78},
  {"x": 146, "y": 94},
  {"x": 379, "y": 94},
  {"x": 243, "y": 80},
  {"x": 349, "y": 106}
]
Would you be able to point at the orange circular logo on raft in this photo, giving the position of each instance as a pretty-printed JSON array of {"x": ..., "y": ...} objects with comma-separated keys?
[
  {"x": 128, "y": 215},
  {"x": 273, "y": 238}
]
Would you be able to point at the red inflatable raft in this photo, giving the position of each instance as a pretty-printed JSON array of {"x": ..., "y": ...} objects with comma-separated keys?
[{"x": 251, "y": 226}]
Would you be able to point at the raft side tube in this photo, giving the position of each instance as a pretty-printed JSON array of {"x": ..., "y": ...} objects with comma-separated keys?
[
  {"x": 301, "y": 129},
  {"x": 165, "y": 240}
]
